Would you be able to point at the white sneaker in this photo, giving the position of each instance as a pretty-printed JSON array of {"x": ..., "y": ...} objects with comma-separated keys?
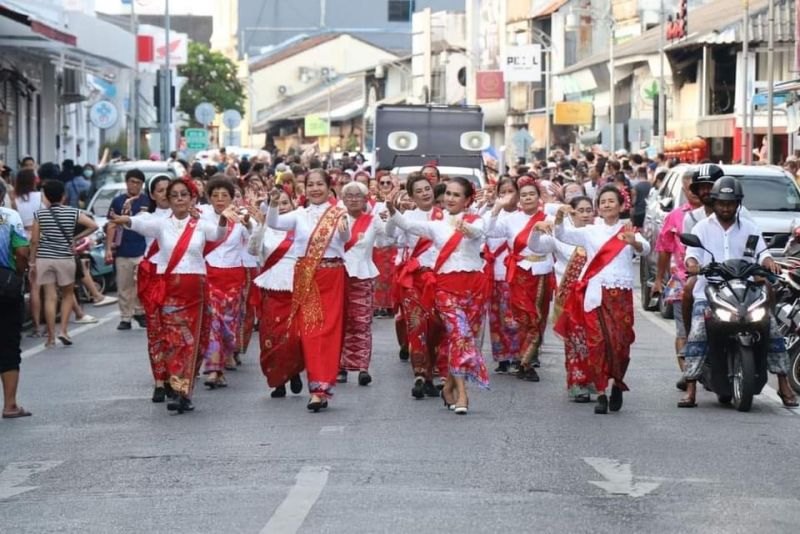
[
  {"x": 107, "y": 301},
  {"x": 87, "y": 319}
]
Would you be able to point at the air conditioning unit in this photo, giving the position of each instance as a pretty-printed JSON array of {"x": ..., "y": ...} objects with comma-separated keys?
[
  {"x": 327, "y": 73},
  {"x": 71, "y": 85},
  {"x": 283, "y": 91}
]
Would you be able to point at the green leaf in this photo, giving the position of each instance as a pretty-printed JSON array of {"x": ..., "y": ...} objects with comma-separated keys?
[{"x": 211, "y": 77}]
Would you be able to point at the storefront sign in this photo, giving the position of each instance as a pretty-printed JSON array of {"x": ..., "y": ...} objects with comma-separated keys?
[
  {"x": 489, "y": 85},
  {"x": 523, "y": 63},
  {"x": 573, "y": 113}
]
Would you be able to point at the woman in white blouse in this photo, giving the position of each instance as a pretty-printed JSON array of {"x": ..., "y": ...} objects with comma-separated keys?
[
  {"x": 602, "y": 302},
  {"x": 281, "y": 355},
  {"x": 321, "y": 230},
  {"x": 180, "y": 293},
  {"x": 250, "y": 298},
  {"x": 529, "y": 274},
  {"x": 459, "y": 287},
  {"x": 226, "y": 277},
  {"x": 361, "y": 275}
]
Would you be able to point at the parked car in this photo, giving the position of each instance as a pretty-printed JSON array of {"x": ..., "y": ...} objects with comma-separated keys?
[
  {"x": 101, "y": 202},
  {"x": 771, "y": 196},
  {"x": 114, "y": 173}
]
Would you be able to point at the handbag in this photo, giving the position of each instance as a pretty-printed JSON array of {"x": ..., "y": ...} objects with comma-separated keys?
[{"x": 78, "y": 263}]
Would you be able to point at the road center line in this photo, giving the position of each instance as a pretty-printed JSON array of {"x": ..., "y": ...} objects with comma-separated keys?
[
  {"x": 331, "y": 430},
  {"x": 33, "y": 351},
  {"x": 294, "y": 509}
]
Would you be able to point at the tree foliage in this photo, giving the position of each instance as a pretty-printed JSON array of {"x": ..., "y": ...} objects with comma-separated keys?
[{"x": 211, "y": 77}]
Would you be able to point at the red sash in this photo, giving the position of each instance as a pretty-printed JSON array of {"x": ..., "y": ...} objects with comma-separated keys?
[
  {"x": 279, "y": 252},
  {"x": 428, "y": 292},
  {"x": 359, "y": 228},
  {"x": 158, "y": 293},
  {"x": 520, "y": 242},
  {"x": 145, "y": 275},
  {"x": 332, "y": 201},
  {"x": 573, "y": 304},
  {"x": 404, "y": 277},
  {"x": 213, "y": 245},
  {"x": 491, "y": 258}
]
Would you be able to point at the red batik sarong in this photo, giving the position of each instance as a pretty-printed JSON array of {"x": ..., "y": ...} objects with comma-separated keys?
[
  {"x": 422, "y": 329},
  {"x": 224, "y": 307},
  {"x": 183, "y": 329},
  {"x": 576, "y": 352},
  {"x": 383, "y": 258},
  {"x": 460, "y": 304},
  {"x": 609, "y": 336},
  {"x": 145, "y": 278},
  {"x": 249, "y": 309},
  {"x": 530, "y": 302},
  {"x": 503, "y": 326},
  {"x": 281, "y": 354},
  {"x": 357, "y": 347}
]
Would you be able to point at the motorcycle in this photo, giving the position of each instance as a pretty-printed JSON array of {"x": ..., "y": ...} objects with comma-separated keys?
[
  {"x": 737, "y": 326},
  {"x": 787, "y": 307},
  {"x": 93, "y": 249}
]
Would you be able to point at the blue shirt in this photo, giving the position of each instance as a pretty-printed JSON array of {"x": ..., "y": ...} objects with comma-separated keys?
[
  {"x": 12, "y": 237},
  {"x": 75, "y": 188},
  {"x": 132, "y": 245}
]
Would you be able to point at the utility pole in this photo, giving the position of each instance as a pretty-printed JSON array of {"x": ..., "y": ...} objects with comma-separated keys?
[
  {"x": 133, "y": 106},
  {"x": 613, "y": 82},
  {"x": 745, "y": 79},
  {"x": 166, "y": 90},
  {"x": 770, "y": 79},
  {"x": 662, "y": 87}
]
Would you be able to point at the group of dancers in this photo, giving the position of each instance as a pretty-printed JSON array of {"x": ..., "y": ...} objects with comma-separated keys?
[{"x": 312, "y": 266}]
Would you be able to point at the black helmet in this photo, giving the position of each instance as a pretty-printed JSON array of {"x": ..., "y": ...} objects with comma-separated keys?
[
  {"x": 708, "y": 173},
  {"x": 727, "y": 188}
]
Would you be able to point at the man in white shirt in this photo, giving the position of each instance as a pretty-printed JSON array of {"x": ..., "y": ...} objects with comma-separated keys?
[{"x": 724, "y": 234}]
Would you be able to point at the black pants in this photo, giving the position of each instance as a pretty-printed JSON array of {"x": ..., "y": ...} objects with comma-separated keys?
[{"x": 10, "y": 333}]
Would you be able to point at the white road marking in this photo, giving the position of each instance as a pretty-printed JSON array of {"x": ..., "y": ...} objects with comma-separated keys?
[
  {"x": 18, "y": 472},
  {"x": 619, "y": 478},
  {"x": 294, "y": 509},
  {"x": 33, "y": 351},
  {"x": 331, "y": 430},
  {"x": 768, "y": 392}
]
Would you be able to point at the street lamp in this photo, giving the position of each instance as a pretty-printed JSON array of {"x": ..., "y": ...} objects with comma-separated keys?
[{"x": 573, "y": 23}]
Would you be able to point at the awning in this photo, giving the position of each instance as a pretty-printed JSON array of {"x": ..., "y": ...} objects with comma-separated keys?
[
  {"x": 577, "y": 82},
  {"x": 346, "y": 98},
  {"x": 549, "y": 9},
  {"x": 23, "y": 26},
  {"x": 715, "y": 126}
]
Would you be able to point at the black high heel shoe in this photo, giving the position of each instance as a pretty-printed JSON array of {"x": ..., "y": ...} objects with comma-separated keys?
[
  {"x": 296, "y": 384},
  {"x": 181, "y": 405},
  {"x": 159, "y": 394},
  {"x": 278, "y": 393},
  {"x": 602, "y": 405},
  {"x": 316, "y": 405}
]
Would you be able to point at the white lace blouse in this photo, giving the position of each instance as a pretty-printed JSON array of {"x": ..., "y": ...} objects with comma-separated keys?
[
  {"x": 466, "y": 257},
  {"x": 358, "y": 260},
  {"x": 407, "y": 241},
  {"x": 619, "y": 273},
  {"x": 168, "y": 231},
  {"x": 262, "y": 243},
  {"x": 539, "y": 262},
  {"x": 303, "y": 221}
]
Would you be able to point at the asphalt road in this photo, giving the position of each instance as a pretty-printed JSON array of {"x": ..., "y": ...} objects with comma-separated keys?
[{"x": 98, "y": 456}]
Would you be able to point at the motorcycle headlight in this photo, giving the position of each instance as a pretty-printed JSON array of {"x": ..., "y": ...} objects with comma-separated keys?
[
  {"x": 757, "y": 314},
  {"x": 725, "y": 315},
  {"x": 761, "y": 300}
]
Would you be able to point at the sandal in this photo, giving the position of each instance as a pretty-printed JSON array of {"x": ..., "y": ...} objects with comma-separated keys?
[
  {"x": 35, "y": 335},
  {"x": 65, "y": 340},
  {"x": 687, "y": 402},
  {"x": 789, "y": 401},
  {"x": 21, "y": 412}
]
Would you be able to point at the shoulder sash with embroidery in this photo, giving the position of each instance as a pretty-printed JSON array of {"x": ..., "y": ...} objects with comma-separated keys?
[
  {"x": 359, "y": 228},
  {"x": 447, "y": 250},
  {"x": 520, "y": 242}
]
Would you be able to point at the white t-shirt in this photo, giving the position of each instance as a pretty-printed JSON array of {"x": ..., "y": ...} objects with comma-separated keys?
[{"x": 27, "y": 209}]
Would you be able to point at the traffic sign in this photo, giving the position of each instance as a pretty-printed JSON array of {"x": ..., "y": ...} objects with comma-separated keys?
[
  {"x": 205, "y": 113},
  {"x": 231, "y": 118},
  {"x": 103, "y": 114},
  {"x": 196, "y": 138}
]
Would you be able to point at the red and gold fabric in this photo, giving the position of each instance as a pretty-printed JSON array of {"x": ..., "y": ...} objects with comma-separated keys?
[
  {"x": 249, "y": 309},
  {"x": 357, "y": 347},
  {"x": 460, "y": 305},
  {"x": 145, "y": 276},
  {"x": 183, "y": 328},
  {"x": 281, "y": 355},
  {"x": 504, "y": 329},
  {"x": 224, "y": 306},
  {"x": 609, "y": 336},
  {"x": 383, "y": 257},
  {"x": 422, "y": 328},
  {"x": 530, "y": 304}
]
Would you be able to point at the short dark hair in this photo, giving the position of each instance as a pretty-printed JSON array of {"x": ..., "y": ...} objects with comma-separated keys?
[
  {"x": 469, "y": 189},
  {"x": 197, "y": 173},
  {"x": 413, "y": 178},
  {"x": 610, "y": 188},
  {"x": 49, "y": 171},
  {"x": 53, "y": 191},
  {"x": 136, "y": 174},
  {"x": 219, "y": 181},
  {"x": 26, "y": 159},
  {"x": 439, "y": 190}
]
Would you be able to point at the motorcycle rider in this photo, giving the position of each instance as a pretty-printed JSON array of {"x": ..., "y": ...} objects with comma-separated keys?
[{"x": 724, "y": 233}]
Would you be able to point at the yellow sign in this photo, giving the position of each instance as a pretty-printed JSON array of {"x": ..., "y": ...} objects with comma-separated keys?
[
  {"x": 315, "y": 125},
  {"x": 573, "y": 113}
]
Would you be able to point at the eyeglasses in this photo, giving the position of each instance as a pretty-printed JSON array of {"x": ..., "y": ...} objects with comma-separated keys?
[
  {"x": 385, "y": 183},
  {"x": 353, "y": 197},
  {"x": 180, "y": 194}
]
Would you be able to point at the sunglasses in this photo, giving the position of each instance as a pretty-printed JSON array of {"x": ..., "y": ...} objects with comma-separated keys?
[{"x": 385, "y": 183}]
